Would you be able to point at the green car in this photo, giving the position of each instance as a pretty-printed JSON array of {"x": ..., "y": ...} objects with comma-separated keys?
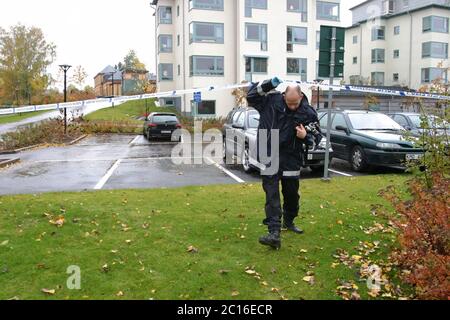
[{"x": 367, "y": 139}]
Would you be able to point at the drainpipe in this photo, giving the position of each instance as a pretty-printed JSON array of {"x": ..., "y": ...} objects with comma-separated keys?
[
  {"x": 410, "y": 49},
  {"x": 184, "y": 58}
]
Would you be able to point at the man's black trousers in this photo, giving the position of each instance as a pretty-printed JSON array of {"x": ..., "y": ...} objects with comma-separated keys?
[{"x": 291, "y": 204}]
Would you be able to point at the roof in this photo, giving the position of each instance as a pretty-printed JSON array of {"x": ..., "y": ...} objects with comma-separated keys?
[
  {"x": 354, "y": 7},
  {"x": 390, "y": 16}
]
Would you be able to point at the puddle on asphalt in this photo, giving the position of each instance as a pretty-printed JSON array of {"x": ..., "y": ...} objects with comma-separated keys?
[{"x": 32, "y": 171}]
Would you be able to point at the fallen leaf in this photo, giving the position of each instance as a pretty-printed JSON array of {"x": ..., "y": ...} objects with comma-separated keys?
[
  {"x": 309, "y": 279},
  {"x": 251, "y": 272},
  {"x": 105, "y": 268},
  {"x": 49, "y": 291},
  {"x": 192, "y": 249},
  {"x": 304, "y": 251},
  {"x": 235, "y": 293},
  {"x": 58, "y": 221},
  {"x": 120, "y": 294},
  {"x": 224, "y": 271},
  {"x": 4, "y": 243}
]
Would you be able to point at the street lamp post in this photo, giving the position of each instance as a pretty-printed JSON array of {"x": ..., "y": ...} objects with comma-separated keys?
[{"x": 65, "y": 68}]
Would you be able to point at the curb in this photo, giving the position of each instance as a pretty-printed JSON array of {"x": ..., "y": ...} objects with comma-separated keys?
[
  {"x": 8, "y": 162},
  {"x": 78, "y": 139},
  {"x": 15, "y": 151}
]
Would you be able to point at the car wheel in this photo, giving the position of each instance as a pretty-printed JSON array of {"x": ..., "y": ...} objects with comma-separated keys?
[
  {"x": 358, "y": 159},
  {"x": 245, "y": 159}
]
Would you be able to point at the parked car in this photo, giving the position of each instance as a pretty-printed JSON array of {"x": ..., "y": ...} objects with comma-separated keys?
[
  {"x": 243, "y": 123},
  {"x": 413, "y": 123},
  {"x": 369, "y": 139},
  {"x": 161, "y": 125}
]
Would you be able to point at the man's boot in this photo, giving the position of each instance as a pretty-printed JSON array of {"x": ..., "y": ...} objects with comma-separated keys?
[
  {"x": 272, "y": 240},
  {"x": 290, "y": 226}
]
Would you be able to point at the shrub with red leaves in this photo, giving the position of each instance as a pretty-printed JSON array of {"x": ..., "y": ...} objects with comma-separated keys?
[{"x": 424, "y": 236}]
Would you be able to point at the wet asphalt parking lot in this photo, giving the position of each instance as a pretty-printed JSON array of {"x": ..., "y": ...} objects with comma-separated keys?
[{"x": 108, "y": 162}]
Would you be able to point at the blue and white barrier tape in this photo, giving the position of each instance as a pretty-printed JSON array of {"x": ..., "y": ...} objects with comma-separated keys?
[{"x": 80, "y": 104}]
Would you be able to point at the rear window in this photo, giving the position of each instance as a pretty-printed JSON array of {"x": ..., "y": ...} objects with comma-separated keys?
[{"x": 164, "y": 118}]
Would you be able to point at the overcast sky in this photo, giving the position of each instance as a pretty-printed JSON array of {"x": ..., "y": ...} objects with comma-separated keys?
[{"x": 95, "y": 33}]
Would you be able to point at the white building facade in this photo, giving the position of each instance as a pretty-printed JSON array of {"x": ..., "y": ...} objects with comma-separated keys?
[
  {"x": 221, "y": 42},
  {"x": 398, "y": 43}
]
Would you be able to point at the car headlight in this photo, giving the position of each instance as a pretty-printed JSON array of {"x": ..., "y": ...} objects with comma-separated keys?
[{"x": 383, "y": 145}]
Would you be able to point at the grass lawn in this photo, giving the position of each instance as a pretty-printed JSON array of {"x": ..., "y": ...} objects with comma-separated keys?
[
  {"x": 18, "y": 117},
  {"x": 135, "y": 244},
  {"x": 128, "y": 111}
]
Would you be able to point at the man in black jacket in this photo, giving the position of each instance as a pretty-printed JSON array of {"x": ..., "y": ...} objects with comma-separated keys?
[{"x": 285, "y": 116}]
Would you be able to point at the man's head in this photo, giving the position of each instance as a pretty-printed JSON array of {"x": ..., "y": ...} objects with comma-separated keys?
[{"x": 293, "y": 96}]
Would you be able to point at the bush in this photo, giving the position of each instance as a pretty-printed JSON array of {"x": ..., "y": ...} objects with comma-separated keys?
[
  {"x": 424, "y": 236},
  {"x": 49, "y": 132},
  {"x": 104, "y": 126}
]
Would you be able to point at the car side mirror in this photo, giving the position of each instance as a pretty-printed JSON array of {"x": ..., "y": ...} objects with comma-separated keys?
[
  {"x": 408, "y": 128},
  {"x": 342, "y": 128}
]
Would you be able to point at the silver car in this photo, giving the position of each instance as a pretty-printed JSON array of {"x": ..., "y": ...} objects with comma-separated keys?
[{"x": 240, "y": 141}]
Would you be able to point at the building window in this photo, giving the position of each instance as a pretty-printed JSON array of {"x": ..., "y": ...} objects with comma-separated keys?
[
  {"x": 206, "y": 32},
  {"x": 437, "y": 50},
  {"x": 355, "y": 39},
  {"x": 165, "y": 72},
  {"x": 300, "y": 6},
  {"x": 328, "y": 11},
  {"x": 178, "y": 40},
  {"x": 378, "y": 33},
  {"x": 206, "y": 4},
  {"x": 434, "y": 74},
  {"x": 298, "y": 67},
  {"x": 178, "y": 11},
  {"x": 179, "y": 70},
  {"x": 377, "y": 55},
  {"x": 395, "y": 77},
  {"x": 255, "y": 65},
  {"x": 296, "y": 35},
  {"x": 396, "y": 54},
  {"x": 257, "y": 32},
  {"x": 206, "y": 66},
  {"x": 205, "y": 108},
  {"x": 165, "y": 43},
  {"x": 254, "y": 4},
  {"x": 377, "y": 79},
  {"x": 355, "y": 60},
  {"x": 396, "y": 30},
  {"x": 435, "y": 24},
  {"x": 165, "y": 15}
]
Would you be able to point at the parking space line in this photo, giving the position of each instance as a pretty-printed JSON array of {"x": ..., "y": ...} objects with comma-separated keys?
[
  {"x": 108, "y": 175},
  {"x": 341, "y": 173},
  {"x": 135, "y": 139},
  {"x": 231, "y": 175}
]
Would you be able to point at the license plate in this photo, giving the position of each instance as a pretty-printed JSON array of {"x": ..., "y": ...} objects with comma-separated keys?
[
  {"x": 414, "y": 157},
  {"x": 166, "y": 132},
  {"x": 310, "y": 157}
]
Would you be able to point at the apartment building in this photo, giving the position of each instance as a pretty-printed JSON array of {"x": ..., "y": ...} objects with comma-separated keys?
[
  {"x": 398, "y": 43},
  {"x": 219, "y": 42}
]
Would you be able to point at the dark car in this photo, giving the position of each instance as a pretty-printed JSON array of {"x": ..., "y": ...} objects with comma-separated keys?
[
  {"x": 243, "y": 123},
  {"x": 369, "y": 139},
  {"x": 413, "y": 123},
  {"x": 161, "y": 125}
]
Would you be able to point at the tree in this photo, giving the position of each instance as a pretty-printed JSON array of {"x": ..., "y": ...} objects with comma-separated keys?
[
  {"x": 79, "y": 76},
  {"x": 24, "y": 58},
  {"x": 131, "y": 61}
]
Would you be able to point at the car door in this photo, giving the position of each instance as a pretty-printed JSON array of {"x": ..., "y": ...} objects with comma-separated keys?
[
  {"x": 239, "y": 131},
  {"x": 230, "y": 133},
  {"x": 340, "y": 139}
]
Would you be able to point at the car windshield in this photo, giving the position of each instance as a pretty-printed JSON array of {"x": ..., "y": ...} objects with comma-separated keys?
[
  {"x": 164, "y": 119},
  {"x": 433, "y": 122},
  {"x": 373, "y": 121},
  {"x": 253, "y": 120}
]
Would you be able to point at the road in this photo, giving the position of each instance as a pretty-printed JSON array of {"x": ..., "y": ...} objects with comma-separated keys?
[
  {"x": 122, "y": 162},
  {"x": 9, "y": 127}
]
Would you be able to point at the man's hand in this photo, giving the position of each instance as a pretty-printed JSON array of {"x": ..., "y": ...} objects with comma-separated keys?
[{"x": 301, "y": 132}]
